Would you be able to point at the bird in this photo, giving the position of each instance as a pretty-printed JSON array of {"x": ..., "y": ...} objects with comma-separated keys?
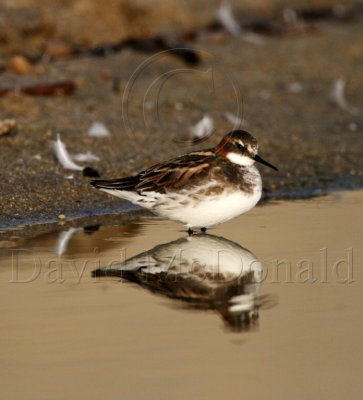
[
  {"x": 200, "y": 189},
  {"x": 203, "y": 272}
]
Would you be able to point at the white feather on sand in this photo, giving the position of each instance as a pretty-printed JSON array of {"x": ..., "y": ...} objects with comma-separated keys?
[
  {"x": 236, "y": 121},
  {"x": 294, "y": 87},
  {"x": 230, "y": 24},
  {"x": 85, "y": 157},
  {"x": 63, "y": 156},
  {"x": 98, "y": 129},
  {"x": 202, "y": 128},
  {"x": 337, "y": 97},
  {"x": 226, "y": 18}
]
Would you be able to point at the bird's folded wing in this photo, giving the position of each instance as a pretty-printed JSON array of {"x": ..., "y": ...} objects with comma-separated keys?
[{"x": 160, "y": 177}]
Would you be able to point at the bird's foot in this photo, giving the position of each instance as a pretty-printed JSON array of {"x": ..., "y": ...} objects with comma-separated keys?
[
  {"x": 203, "y": 230},
  {"x": 190, "y": 231}
]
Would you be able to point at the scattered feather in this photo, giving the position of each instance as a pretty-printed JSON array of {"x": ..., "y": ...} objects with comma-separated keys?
[
  {"x": 253, "y": 38},
  {"x": 290, "y": 16},
  {"x": 353, "y": 127},
  {"x": 63, "y": 156},
  {"x": 236, "y": 121},
  {"x": 63, "y": 240},
  {"x": 201, "y": 130},
  {"x": 39, "y": 157},
  {"x": 98, "y": 129},
  {"x": 228, "y": 21},
  {"x": 85, "y": 157},
  {"x": 149, "y": 105},
  {"x": 226, "y": 18},
  {"x": 337, "y": 97},
  {"x": 294, "y": 87}
]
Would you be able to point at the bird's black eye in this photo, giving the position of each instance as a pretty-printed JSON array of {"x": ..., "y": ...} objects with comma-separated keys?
[{"x": 240, "y": 146}]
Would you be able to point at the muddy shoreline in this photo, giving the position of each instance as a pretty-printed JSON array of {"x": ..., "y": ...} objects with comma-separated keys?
[{"x": 283, "y": 97}]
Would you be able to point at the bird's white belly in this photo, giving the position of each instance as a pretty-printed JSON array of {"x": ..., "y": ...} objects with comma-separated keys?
[
  {"x": 210, "y": 211},
  {"x": 197, "y": 211}
]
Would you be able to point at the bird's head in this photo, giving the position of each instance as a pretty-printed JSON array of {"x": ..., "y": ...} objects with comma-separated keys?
[{"x": 240, "y": 147}]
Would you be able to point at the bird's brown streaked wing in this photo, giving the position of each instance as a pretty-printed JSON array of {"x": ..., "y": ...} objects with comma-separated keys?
[
  {"x": 174, "y": 173},
  {"x": 160, "y": 177}
]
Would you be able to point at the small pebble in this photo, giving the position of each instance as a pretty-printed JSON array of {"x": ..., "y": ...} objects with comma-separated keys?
[
  {"x": 57, "y": 49},
  {"x": 149, "y": 105},
  {"x": 353, "y": 127},
  {"x": 116, "y": 85},
  {"x": 20, "y": 65},
  {"x": 7, "y": 126},
  {"x": 61, "y": 216},
  {"x": 91, "y": 172},
  {"x": 264, "y": 94}
]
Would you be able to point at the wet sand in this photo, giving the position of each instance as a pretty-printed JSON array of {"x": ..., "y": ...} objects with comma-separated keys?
[{"x": 101, "y": 337}]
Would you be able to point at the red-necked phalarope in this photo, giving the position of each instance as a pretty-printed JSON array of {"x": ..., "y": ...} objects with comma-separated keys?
[{"x": 199, "y": 189}]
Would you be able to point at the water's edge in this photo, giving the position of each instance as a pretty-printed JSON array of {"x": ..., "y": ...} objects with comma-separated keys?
[{"x": 121, "y": 212}]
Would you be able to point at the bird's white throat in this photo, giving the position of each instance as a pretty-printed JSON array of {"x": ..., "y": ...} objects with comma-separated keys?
[{"x": 240, "y": 159}]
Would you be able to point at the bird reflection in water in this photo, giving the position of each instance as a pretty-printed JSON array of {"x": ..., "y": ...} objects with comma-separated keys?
[{"x": 203, "y": 272}]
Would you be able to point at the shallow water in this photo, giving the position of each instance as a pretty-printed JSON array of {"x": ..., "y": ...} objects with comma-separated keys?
[{"x": 267, "y": 305}]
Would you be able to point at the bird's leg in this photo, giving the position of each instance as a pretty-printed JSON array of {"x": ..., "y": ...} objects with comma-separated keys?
[
  {"x": 203, "y": 230},
  {"x": 190, "y": 231}
]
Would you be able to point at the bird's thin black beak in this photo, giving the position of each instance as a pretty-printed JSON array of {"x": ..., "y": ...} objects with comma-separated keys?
[{"x": 262, "y": 161}]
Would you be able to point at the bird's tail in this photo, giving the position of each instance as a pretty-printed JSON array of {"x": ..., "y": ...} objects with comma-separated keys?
[{"x": 127, "y": 183}]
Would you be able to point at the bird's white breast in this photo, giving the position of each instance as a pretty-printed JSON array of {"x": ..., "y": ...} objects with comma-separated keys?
[{"x": 210, "y": 211}]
